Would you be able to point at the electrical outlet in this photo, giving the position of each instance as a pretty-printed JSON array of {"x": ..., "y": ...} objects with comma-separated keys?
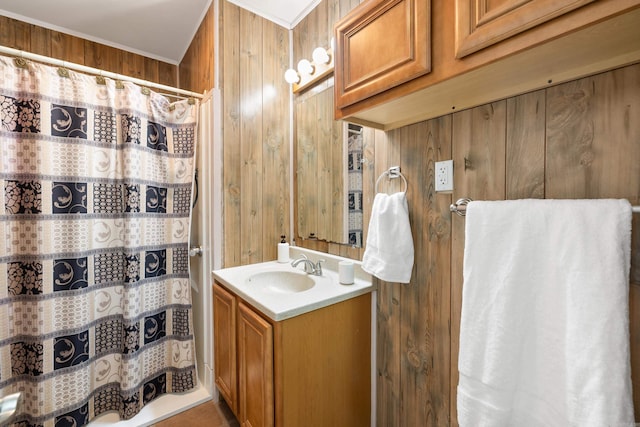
[{"x": 444, "y": 176}]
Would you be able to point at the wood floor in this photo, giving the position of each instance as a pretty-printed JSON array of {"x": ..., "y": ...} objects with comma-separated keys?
[{"x": 210, "y": 414}]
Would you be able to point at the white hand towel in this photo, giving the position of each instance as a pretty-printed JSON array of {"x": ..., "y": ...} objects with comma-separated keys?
[
  {"x": 544, "y": 334},
  {"x": 389, "y": 251}
]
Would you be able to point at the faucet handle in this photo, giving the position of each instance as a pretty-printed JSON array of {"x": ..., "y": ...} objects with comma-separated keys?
[{"x": 318, "y": 267}]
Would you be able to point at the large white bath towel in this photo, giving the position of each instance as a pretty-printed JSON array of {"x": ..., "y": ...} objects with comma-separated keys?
[
  {"x": 544, "y": 334},
  {"x": 389, "y": 251}
]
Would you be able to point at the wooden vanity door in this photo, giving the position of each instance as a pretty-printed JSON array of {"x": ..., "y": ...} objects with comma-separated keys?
[
  {"x": 255, "y": 362},
  {"x": 482, "y": 23},
  {"x": 224, "y": 341}
]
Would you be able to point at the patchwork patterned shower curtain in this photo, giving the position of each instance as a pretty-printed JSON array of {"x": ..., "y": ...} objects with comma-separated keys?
[{"x": 95, "y": 303}]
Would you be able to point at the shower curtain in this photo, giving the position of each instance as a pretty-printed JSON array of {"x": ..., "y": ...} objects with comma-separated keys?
[{"x": 95, "y": 303}]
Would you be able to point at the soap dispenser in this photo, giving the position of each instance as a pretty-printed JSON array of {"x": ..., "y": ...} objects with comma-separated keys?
[{"x": 283, "y": 250}]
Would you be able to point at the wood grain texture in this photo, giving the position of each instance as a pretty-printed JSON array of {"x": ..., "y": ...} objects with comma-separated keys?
[
  {"x": 197, "y": 68},
  {"x": 425, "y": 302},
  {"x": 42, "y": 41},
  {"x": 479, "y": 138},
  {"x": 255, "y": 123},
  {"x": 216, "y": 415},
  {"x": 231, "y": 118},
  {"x": 323, "y": 377},
  {"x": 480, "y": 24},
  {"x": 389, "y": 311},
  {"x": 251, "y": 184},
  {"x": 307, "y": 167},
  {"x": 255, "y": 369},
  {"x": 398, "y": 30},
  {"x": 276, "y": 148},
  {"x": 525, "y": 146},
  {"x": 225, "y": 356}
]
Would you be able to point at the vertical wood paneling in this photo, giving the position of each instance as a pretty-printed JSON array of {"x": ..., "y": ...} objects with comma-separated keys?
[
  {"x": 276, "y": 194},
  {"x": 593, "y": 151},
  {"x": 196, "y": 69},
  {"x": 478, "y": 139},
  {"x": 67, "y": 48},
  {"x": 102, "y": 57},
  {"x": 230, "y": 17},
  {"x": 338, "y": 175},
  {"x": 251, "y": 137},
  {"x": 255, "y": 124},
  {"x": 324, "y": 182},
  {"x": 389, "y": 311},
  {"x": 133, "y": 65},
  {"x": 425, "y": 302},
  {"x": 15, "y": 34},
  {"x": 525, "y": 146},
  {"x": 307, "y": 166},
  {"x": 42, "y": 41},
  {"x": 592, "y": 137}
]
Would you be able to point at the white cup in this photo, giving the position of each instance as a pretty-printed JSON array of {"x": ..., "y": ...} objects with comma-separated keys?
[{"x": 345, "y": 272}]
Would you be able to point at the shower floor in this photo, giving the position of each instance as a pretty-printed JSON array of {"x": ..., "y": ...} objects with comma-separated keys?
[
  {"x": 209, "y": 413},
  {"x": 161, "y": 408}
]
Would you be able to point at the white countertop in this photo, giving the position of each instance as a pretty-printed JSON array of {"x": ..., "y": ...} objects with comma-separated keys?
[{"x": 279, "y": 306}]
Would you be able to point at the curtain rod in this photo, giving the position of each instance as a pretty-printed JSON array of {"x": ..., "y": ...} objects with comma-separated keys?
[{"x": 94, "y": 71}]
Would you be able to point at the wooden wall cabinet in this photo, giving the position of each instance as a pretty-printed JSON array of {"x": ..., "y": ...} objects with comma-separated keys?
[
  {"x": 313, "y": 369},
  {"x": 482, "y": 51},
  {"x": 481, "y": 23},
  {"x": 381, "y": 44}
]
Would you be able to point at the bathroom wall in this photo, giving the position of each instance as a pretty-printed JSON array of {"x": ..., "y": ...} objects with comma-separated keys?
[
  {"x": 196, "y": 71},
  {"x": 256, "y": 136},
  {"x": 42, "y": 41},
  {"x": 579, "y": 139},
  {"x": 576, "y": 140}
]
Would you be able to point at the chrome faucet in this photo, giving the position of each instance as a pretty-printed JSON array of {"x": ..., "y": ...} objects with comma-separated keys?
[{"x": 309, "y": 266}]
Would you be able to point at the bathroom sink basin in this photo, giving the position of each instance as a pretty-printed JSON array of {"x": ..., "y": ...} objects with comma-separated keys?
[{"x": 284, "y": 282}]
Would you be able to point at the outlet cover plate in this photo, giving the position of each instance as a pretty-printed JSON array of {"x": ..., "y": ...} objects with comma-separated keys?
[{"x": 444, "y": 176}]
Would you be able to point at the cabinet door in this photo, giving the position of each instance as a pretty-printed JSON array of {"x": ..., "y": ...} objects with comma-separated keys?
[
  {"x": 379, "y": 45},
  {"x": 224, "y": 341},
  {"x": 255, "y": 363},
  {"x": 482, "y": 23}
]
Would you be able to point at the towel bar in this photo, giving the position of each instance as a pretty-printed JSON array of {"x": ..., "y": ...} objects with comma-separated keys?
[
  {"x": 392, "y": 172},
  {"x": 460, "y": 207}
]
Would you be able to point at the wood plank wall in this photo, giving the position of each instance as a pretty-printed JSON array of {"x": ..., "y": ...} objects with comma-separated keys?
[
  {"x": 255, "y": 119},
  {"x": 197, "y": 68},
  {"x": 576, "y": 140},
  {"x": 579, "y": 139},
  {"x": 42, "y": 41}
]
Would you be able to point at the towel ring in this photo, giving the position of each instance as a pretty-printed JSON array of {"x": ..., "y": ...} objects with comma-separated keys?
[{"x": 393, "y": 172}]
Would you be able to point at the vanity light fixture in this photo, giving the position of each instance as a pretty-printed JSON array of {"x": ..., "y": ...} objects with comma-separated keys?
[
  {"x": 305, "y": 67},
  {"x": 320, "y": 55},
  {"x": 291, "y": 76},
  {"x": 309, "y": 72}
]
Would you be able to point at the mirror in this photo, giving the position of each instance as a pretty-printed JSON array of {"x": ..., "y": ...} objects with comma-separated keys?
[{"x": 329, "y": 172}]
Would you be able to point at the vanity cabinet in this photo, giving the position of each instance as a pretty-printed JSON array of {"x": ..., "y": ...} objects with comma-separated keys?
[
  {"x": 477, "y": 51},
  {"x": 313, "y": 369},
  {"x": 224, "y": 342}
]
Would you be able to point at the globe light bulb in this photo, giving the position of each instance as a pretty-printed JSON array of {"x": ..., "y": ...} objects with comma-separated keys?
[
  {"x": 291, "y": 76},
  {"x": 320, "y": 56},
  {"x": 305, "y": 67}
]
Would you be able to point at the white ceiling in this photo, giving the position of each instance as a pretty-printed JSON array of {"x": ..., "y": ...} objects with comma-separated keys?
[{"x": 160, "y": 29}]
